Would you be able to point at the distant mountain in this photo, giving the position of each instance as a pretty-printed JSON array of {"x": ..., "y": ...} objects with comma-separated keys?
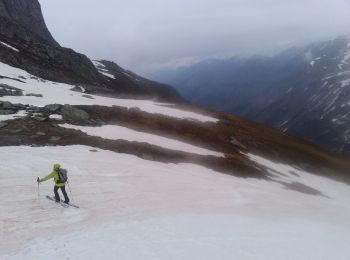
[{"x": 302, "y": 91}]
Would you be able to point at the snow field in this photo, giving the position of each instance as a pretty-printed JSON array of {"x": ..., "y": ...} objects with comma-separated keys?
[
  {"x": 116, "y": 132},
  {"x": 19, "y": 114},
  {"x": 59, "y": 93},
  {"x": 188, "y": 237},
  {"x": 291, "y": 174},
  {"x": 137, "y": 209}
]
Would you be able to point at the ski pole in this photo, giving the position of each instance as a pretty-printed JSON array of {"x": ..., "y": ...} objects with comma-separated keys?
[
  {"x": 38, "y": 189},
  {"x": 70, "y": 191}
]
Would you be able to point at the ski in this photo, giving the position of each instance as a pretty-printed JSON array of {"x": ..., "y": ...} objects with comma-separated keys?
[
  {"x": 70, "y": 204},
  {"x": 66, "y": 205},
  {"x": 60, "y": 202}
]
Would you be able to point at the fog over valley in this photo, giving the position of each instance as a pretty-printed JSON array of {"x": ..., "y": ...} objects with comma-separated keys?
[{"x": 144, "y": 36}]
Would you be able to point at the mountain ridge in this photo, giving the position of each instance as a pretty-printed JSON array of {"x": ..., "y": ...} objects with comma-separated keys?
[
  {"x": 22, "y": 26},
  {"x": 26, "y": 13},
  {"x": 293, "y": 91}
]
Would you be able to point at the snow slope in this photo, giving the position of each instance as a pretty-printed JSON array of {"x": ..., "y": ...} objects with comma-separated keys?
[
  {"x": 19, "y": 114},
  {"x": 116, "y": 132},
  {"x": 59, "y": 93},
  {"x": 137, "y": 209}
]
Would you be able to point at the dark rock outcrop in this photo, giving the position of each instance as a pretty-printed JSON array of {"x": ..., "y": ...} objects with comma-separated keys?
[
  {"x": 129, "y": 82},
  {"x": 74, "y": 115},
  {"x": 26, "y": 13},
  {"x": 6, "y": 90},
  {"x": 41, "y": 58},
  {"x": 32, "y": 48}
]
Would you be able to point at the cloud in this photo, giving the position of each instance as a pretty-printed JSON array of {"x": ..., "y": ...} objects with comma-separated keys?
[{"x": 144, "y": 35}]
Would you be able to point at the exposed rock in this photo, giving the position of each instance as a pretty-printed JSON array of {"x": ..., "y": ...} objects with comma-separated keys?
[
  {"x": 54, "y": 139},
  {"x": 78, "y": 89},
  {"x": 34, "y": 95},
  {"x": 39, "y": 118},
  {"x": 43, "y": 59},
  {"x": 3, "y": 124},
  {"x": 36, "y": 145},
  {"x": 20, "y": 106},
  {"x": 88, "y": 96},
  {"x": 73, "y": 114},
  {"x": 40, "y": 133},
  {"x": 6, "y": 90},
  {"x": 127, "y": 81},
  {"x": 16, "y": 131},
  {"x": 6, "y": 105},
  {"x": 135, "y": 110},
  {"x": 27, "y": 13},
  {"x": 7, "y": 112},
  {"x": 148, "y": 157},
  {"x": 52, "y": 108},
  {"x": 33, "y": 109}
]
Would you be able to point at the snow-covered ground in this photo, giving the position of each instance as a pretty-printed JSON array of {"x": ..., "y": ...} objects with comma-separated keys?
[
  {"x": 19, "y": 114},
  {"x": 59, "y": 93},
  {"x": 137, "y": 209},
  {"x": 115, "y": 132}
]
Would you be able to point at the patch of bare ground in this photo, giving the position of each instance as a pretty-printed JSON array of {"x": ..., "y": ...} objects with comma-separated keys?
[
  {"x": 232, "y": 136},
  {"x": 247, "y": 136},
  {"x": 296, "y": 186},
  {"x": 35, "y": 133}
]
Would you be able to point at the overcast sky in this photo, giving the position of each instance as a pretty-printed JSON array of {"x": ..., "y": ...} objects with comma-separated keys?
[{"x": 143, "y": 35}]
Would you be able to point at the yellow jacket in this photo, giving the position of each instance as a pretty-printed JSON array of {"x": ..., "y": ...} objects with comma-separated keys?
[{"x": 55, "y": 177}]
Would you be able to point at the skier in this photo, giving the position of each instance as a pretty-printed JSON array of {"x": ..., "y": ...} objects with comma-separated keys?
[{"x": 58, "y": 183}]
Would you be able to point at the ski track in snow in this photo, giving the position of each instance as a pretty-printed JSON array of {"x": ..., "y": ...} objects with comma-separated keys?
[
  {"x": 59, "y": 93},
  {"x": 116, "y": 132},
  {"x": 137, "y": 209}
]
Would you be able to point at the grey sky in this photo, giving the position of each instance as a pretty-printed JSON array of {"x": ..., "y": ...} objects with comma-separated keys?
[{"x": 144, "y": 35}]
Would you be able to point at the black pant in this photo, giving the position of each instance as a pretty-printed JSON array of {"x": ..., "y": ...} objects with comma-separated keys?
[{"x": 57, "y": 196}]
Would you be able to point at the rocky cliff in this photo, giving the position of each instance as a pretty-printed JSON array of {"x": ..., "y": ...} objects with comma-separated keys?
[
  {"x": 34, "y": 50},
  {"x": 26, "y": 13}
]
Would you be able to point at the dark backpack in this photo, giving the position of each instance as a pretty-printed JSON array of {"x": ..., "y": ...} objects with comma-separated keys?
[{"x": 62, "y": 175}]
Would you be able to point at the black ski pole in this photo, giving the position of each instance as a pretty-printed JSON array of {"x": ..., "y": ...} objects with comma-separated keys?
[
  {"x": 38, "y": 188},
  {"x": 70, "y": 191}
]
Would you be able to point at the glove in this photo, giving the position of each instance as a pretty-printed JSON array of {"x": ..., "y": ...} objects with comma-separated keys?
[{"x": 38, "y": 180}]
